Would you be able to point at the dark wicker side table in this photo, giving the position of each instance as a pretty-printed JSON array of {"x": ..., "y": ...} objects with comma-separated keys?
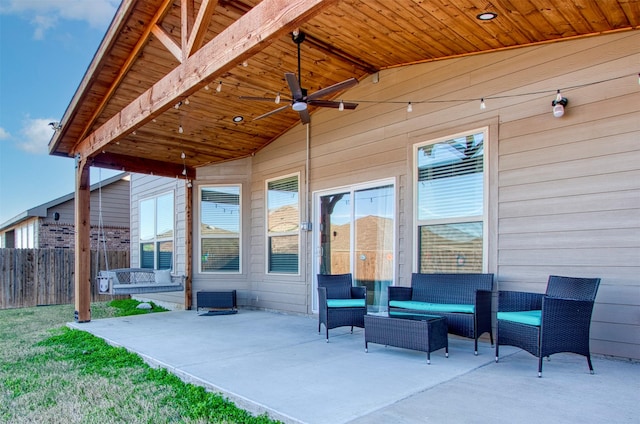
[{"x": 426, "y": 334}]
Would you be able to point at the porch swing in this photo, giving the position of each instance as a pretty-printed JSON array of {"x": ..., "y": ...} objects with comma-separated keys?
[{"x": 123, "y": 281}]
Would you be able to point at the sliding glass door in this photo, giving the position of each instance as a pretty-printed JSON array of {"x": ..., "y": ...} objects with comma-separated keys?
[{"x": 356, "y": 235}]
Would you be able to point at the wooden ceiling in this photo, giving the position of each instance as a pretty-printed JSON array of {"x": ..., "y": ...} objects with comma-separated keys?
[{"x": 161, "y": 61}]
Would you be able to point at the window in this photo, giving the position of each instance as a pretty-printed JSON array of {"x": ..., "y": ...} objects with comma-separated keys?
[
  {"x": 220, "y": 229},
  {"x": 283, "y": 228},
  {"x": 25, "y": 236},
  {"x": 450, "y": 203},
  {"x": 156, "y": 232}
]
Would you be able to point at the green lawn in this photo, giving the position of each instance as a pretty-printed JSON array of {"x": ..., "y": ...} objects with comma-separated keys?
[{"x": 52, "y": 374}]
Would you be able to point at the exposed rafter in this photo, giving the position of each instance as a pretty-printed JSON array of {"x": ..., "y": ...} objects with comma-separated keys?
[{"x": 261, "y": 26}]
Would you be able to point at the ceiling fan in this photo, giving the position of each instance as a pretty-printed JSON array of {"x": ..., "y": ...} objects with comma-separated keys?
[{"x": 299, "y": 99}]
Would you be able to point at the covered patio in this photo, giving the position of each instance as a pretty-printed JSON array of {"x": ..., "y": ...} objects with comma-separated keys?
[{"x": 278, "y": 364}]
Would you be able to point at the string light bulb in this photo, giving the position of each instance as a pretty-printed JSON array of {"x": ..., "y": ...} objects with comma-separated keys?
[
  {"x": 245, "y": 63},
  {"x": 278, "y": 98},
  {"x": 341, "y": 106},
  {"x": 482, "y": 104},
  {"x": 219, "y": 87},
  {"x": 180, "y": 129},
  {"x": 409, "y": 107},
  {"x": 559, "y": 104}
]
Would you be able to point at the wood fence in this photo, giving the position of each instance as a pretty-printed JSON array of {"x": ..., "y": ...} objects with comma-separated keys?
[{"x": 31, "y": 277}]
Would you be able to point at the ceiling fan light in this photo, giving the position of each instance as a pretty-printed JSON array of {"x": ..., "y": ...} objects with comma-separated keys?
[{"x": 299, "y": 106}]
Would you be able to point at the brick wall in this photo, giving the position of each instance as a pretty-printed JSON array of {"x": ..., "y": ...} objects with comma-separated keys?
[{"x": 56, "y": 235}]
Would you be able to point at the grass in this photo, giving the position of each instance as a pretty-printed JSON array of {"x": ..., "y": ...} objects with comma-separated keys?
[{"x": 50, "y": 373}]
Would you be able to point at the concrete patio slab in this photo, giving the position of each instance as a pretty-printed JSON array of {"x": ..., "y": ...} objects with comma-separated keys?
[{"x": 279, "y": 364}]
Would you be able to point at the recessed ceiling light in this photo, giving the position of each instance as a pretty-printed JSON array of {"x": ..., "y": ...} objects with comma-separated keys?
[
  {"x": 487, "y": 16},
  {"x": 238, "y": 118}
]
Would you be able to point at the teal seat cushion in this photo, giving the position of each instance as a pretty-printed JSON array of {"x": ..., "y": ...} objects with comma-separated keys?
[
  {"x": 346, "y": 303},
  {"x": 522, "y": 317},
  {"x": 433, "y": 307}
]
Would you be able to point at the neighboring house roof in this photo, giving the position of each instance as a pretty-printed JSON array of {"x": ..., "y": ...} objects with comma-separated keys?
[{"x": 40, "y": 211}]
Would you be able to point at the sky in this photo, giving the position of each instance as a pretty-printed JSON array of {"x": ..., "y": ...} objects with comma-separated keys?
[{"x": 46, "y": 47}]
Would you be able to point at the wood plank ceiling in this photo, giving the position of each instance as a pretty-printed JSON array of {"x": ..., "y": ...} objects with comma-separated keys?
[{"x": 161, "y": 53}]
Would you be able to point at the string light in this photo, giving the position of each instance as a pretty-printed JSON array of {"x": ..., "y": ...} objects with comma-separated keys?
[
  {"x": 180, "y": 129},
  {"x": 460, "y": 100},
  {"x": 245, "y": 63},
  {"x": 558, "y": 105},
  {"x": 177, "y": 105}
]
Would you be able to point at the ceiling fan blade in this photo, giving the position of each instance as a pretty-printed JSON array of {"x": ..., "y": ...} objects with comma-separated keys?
[
  {"x": 304, "y": 116},
  {"x": 264, "y": 115},
  {"x": 259, "y": 99},
  {"x": 333, "y": 89},
  {"x": 294, "y": 86},
  {"x": 333, "y": 104}
]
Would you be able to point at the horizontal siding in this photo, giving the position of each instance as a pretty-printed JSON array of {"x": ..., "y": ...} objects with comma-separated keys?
[
  {"x": 112, "y": 201},
  {"x": 569, "y": 190},
  {"x": 565, "y": 193}
]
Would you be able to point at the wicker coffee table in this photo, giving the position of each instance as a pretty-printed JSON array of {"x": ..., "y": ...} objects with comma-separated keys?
[{"x": 425, "y": 333}]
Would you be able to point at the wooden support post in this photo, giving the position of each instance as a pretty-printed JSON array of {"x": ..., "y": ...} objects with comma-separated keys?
[
  {"x": 188, "y": 267},
  {"x": 82, "y": 243}
]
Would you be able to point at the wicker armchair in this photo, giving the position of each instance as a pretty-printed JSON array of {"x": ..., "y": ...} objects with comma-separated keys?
[
  {"x": 339, "y": 303},
  {"x": 554, "y": 322}
]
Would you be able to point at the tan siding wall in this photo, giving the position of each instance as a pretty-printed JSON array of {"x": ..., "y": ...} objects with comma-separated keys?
[
  {"x": 115, "y": 206},
  {"x": 564, "y": 193}
]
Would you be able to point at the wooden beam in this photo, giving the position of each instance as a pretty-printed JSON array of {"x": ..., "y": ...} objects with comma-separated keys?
[
  {"x": 260, "y": 27},
  {"x": 167, "y": 41},
  {"x": 186, "y": 24},
  {"x": 200, "y": 26},
  {"x": 82, "y": 254},
  {"x": 162, "y": 11},
  {"x": 142, "y": 166}
]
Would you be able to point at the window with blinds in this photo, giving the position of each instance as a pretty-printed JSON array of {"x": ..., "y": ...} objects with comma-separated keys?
[
  {"x": 156, "y": 228},
  {"x": 450, "y": 203},
  {"x": 283, "y": 225},
  {"x": 220, "y": 224}
]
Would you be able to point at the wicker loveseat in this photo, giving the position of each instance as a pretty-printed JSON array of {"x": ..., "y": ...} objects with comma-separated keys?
[{"x": 464, "y": 299}]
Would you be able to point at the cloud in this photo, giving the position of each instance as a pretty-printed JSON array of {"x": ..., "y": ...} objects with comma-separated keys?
[
  {"x": 4, "y": 134},
  {"x": 45, "y": 14},
  {"x": 35, "y": 135}
]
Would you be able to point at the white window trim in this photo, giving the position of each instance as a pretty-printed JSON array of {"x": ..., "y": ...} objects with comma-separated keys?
[
  {"x": 266, "y": 226},
  {"x": 352, "y": 188},
  {"x": 199, "y": 233},
  {"x": 485, "y": 194}
]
